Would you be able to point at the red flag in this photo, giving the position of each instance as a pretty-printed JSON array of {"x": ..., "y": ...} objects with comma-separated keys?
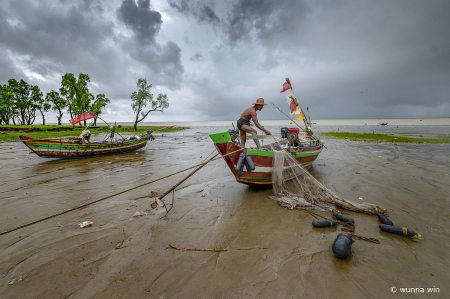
[
  {"x": 293, "y": 106},
  {"x": 85, "y": 116},
  {"x": 286, "y": 86}
]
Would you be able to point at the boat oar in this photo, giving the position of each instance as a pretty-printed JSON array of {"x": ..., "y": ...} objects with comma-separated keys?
[{"x": 154, "y": 205}]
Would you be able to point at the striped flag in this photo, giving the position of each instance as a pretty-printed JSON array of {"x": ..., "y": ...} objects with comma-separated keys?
[{"x": 294, "y": 107}]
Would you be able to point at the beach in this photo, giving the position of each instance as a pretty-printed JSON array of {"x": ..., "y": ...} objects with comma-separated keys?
[{"x": 244, "y": 245}]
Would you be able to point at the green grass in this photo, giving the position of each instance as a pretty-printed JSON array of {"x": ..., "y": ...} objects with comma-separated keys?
[
  {"x": 11, "y": 132},
  {"x": 439, "y": 138}
]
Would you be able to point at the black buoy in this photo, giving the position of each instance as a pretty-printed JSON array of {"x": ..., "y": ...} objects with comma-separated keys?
[
  {"x": 342, "y": 245},
  {"x": 241, "y": 170},
  {"x": 249, "y": 160},
  {"x": 248, "y": 168},
  {"x": 239, "y": 162},
  {"x": 343, "y": 218},
  {"x": 384, "y": 219},
  {"x": 112, "y": 134},
  {"x": 324, "y": 223},
  {"x": 397, "y": 230}
]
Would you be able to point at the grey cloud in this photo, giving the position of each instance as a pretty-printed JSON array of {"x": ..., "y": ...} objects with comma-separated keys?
[
  {"x": 145, "y": 22},
  {"x": 346, "y": 59},
  {"x": 164, "y": 61},
  {"x": 263, "y": 19},
  {"x": 53, "y": 38},
  {"x": 186, "y": 39},
  {"x": 197, "y": 57},
  {"x": 202, "y": 12},
  {"x": 52, "y": 31},
  {"x": 8, "y": 70}
]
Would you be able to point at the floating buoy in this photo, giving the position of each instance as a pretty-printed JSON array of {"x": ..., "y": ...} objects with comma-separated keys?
[
  {"x": 324, "y": 223},
  {"x": 407, "y": 232},
  {"x": 342, "y": 245},
  {"x": 384, "y": 219},
  {"x": 343, "y": 218}
]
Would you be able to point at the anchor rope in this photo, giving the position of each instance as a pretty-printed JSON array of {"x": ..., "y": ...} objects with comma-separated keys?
[{"x": 113, "y": 194}]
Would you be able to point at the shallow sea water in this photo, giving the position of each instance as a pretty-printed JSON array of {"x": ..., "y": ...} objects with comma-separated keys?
[{"x": 271, "y": 252}]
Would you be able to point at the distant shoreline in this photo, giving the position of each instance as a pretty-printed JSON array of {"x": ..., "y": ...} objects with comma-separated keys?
[
  {"x": 11, "y": 132},
  {"x": 326, "y": 122}
]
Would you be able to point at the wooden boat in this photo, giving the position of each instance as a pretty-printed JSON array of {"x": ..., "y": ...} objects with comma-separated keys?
[
  {"x": 383, "y": 124},
  {"x": 306, "y": 152},
  {"x": 74, "y": 148}
]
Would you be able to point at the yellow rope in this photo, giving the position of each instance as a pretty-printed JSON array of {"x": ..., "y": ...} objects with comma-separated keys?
[
  {"x": 405, "y": 233},
  {"x": 111, "y": 195}
]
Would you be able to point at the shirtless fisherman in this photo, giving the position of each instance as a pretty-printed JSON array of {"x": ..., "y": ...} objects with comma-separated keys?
[{"x": 243, "y": 123}]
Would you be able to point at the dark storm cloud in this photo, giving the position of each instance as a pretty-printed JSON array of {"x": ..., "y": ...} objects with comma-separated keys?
[
  {"x": 163, "y": 60},
  {"x": 50, "y": 39},
  {"x": 8, "y": 70},
  {"x": 41, "y": 41},
  {"x": 202, "y": 12},
  {"x": 262, "y": 19},
  {"x": 144, "y": 22},
  {"x": 346, "y": 59},
  {"x": 354, "y": 56}
]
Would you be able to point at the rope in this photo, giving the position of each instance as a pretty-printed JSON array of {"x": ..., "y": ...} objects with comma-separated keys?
[
  {"x": 111, "y": 195},
  {"x": 351, "y": 232},
  {"x": 405, "y": 233}
]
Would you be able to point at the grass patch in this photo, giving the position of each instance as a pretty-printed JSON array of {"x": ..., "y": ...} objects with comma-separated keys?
[
  {"x": 11, "y": 132},
  {"x": 440, "y": 138}
]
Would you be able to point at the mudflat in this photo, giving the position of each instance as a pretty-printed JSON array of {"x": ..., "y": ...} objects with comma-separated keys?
[{"x": 270, "y": 252}]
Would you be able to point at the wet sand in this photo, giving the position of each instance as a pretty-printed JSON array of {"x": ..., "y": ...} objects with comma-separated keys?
[{"x": 271, "y": 252}]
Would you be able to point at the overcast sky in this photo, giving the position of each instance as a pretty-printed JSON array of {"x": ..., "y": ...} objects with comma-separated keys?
[{"x": 345, "y": 59}]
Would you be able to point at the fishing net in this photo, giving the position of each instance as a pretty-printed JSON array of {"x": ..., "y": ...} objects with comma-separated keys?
[{"x": 295, "y": 187}]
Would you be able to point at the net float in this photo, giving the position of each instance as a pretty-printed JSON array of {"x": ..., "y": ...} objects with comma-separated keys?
[
  {"x": 407, "y": 232},
  {"x": 342, "y": 245},
  {"x": 343, "y": 218},
  {"x": 324, "y": 223},
  {"x": 384, "y": 219}
]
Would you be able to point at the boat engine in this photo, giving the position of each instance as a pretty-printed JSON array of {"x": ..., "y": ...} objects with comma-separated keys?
[{"x": 291, "y": 134}]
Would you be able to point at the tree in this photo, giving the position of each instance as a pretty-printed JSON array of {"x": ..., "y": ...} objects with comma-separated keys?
[
  {"x": 68, "y": 96},
  {"x": 76, "y": 93},
  {"x": 41, "y": 103},
  {"x": 58, "y": 103},
  {"x": 6, "y": 104},
  {"x": 99, "y": 103},
  {"x": 22, "y": 101},
  {"x": 142, "y": 97}
]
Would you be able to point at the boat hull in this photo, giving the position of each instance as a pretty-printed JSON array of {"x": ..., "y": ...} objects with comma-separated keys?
[
  {"x": 61, "y": 149},
  {"x": 263, "y": 160}
]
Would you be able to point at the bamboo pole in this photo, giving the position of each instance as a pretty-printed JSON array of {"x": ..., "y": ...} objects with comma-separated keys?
[
  {"x": 123, "y": 139},
  {"x": 309, "y": 118},
  {"x": 312, "y": 136},
  {"x": 288, "y": 117},
  {"x": 180, "y": 182}
]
